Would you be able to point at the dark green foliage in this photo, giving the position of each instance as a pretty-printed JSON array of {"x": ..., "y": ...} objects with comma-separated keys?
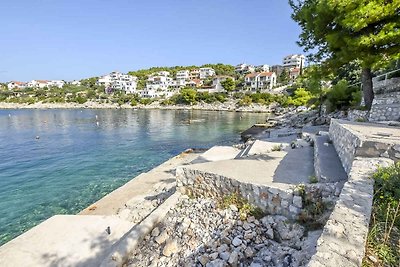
[
  {"x": 342, "y": 96},
  {"x": 229, "y": 84}
]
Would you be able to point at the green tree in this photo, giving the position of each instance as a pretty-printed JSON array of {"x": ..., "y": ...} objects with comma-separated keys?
[
  {"x": 339, "y": 31},
  {"x": 229, "y": 84},
  {"x": 283, "y": 77},
  {"x": 188, "y": 96}
]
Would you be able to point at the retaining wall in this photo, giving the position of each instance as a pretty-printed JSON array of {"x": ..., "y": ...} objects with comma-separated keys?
[
  {"x": 386, "y": 103},
  {"x": 342, "y": 242},
  {"x": 285, "y": 200}
]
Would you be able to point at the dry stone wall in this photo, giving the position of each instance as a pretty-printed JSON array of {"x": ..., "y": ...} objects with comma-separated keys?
[
  {"x": 386, "y": 104},
  {"x": 285, "y": 200},
  {"x": 342, "y": 242}
]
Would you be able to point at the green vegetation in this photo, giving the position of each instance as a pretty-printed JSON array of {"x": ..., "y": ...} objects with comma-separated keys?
[
  {"x": 229, "y": 85},
  {"x": 339, "y": 32},
  {"x": 189, "y": 96},
  {"x": 314, "y": 208},
  {"x": 245, "y": 208},
  {"x": 383, "y": 241}
]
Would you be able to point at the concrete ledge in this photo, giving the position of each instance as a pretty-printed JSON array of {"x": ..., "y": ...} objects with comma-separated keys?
[
  {"x": 119, "y": 252},
  {"x": 65, "y": 240}
]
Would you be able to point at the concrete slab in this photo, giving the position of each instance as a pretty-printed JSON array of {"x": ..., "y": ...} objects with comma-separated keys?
[
  {"x": 217, "y": 153},
  {"x": 263, "y": 147},
  {"x": 373, "y": 132},
  {"x": 65, "y": 240},
  {"x": 279, "y": 168},
  {"x": 328, "y": 167}
]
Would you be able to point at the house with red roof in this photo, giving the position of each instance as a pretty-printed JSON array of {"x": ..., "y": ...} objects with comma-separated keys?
[{"x": 258, "y": 81}]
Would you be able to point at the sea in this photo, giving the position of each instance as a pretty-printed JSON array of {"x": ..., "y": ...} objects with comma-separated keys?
[{"x": 59, "y": 161}]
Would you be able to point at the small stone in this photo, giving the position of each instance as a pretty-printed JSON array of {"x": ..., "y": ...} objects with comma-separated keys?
[
  {"x": 203, "y": 259},
  {"x": 216, "y": 263},
  {"x": 222, "y": 248},
  {"x": 161, "y": 238},
  {"x": 270, "y": 233},
  {"x": 155, "y": 232},
  {"x": 248, "y": 252},
  {"x": 224, "y": 255},
  {"x": 298, "y": 202},
  {"x": 236, "y": 241},
  {"x": 246, "y": 226},
  {"x": 233, "y": 258},
  {"x": 170, "y": 248},
  {"x": 248, "y": 235},
  {"x": 213, "y": 256}
]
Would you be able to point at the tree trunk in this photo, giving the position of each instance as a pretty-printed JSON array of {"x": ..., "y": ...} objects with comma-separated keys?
[{"x": 366, "y": 79}]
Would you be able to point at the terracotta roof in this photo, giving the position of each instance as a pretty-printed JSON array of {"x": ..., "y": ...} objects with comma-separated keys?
[
  {"x": 266, "y": 73},
  {"x": 42, "y": 81},
  {"x": 251, "y": 75},
  {"x": 19, "y": 83}
]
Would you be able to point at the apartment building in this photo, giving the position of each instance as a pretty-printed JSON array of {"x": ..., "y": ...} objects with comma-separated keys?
[
  {"x": 259, "y": 81},
  {"x": 294, "y": 61},
  {"x": 206, "y": 72}
]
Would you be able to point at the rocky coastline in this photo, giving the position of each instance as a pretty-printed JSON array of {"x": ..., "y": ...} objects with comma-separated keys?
[{"x": 226, "y": 106}]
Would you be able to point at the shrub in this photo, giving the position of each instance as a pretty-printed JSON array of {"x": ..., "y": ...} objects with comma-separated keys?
[
  {"x": 245, "y": 101},
  {"x": 244, "y": 207},
  {"x": 342, "y": 96},
  {"x": 384, "y": 235}
]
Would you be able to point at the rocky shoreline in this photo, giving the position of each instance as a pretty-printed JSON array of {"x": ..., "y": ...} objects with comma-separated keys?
[
  {"x": 227, "y": 106},
  {"x": 197, "y": 232}
]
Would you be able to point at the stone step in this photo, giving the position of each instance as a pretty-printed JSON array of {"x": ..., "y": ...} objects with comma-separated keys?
[{"x": 327, "y": 165}]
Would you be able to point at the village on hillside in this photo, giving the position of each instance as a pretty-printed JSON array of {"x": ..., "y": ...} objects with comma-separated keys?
[{"x": 163, "y": 84}]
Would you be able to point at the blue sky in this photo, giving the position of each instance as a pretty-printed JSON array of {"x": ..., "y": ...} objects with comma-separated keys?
[{"x": 60, "y": 39}]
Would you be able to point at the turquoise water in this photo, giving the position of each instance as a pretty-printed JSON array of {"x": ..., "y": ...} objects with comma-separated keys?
[{"x": 76, "y": 161}]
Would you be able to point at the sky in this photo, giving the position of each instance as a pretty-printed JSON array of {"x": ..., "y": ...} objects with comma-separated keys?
[{"x": 75, "y": 39}]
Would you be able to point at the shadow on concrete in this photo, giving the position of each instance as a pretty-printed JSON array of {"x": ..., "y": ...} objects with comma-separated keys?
[{"x": 296, "y": 167}]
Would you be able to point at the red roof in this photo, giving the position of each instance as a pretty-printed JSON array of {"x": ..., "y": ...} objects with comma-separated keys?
[
  {"x": 251, "y": 75},
  {"x": 19, "y": 83},
  {"x": 266, "y": 73},
  {"x": 42, "y": 81}
]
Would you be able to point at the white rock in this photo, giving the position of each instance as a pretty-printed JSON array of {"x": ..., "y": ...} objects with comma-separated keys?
[
  {"x": 298, "y": 202},
  {"x": 170, "y": 248},
  {"x": 236, "y": 241},
  {"x": 161, "y": 238},
  {"x": 224, "y": 255},
  {"x": 155, "y": 232},
  {"x": 216, "y": 263},
  {"x": 233, "y": 258}
]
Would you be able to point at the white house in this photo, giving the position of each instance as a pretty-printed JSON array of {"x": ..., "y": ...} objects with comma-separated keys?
[
  {"x": 16, "y": 85},
  {"x": 38, "y": 83},
  {"x": 266, "y": 80},
  {"x": 74, "y": 82},
  {"x": 57, "y": 83},
  {"x": 119, "y": 81},
  {"x": 182, "y": 75},
  {"x": 260, "y": 81},
  {"x": 293, "y": 61},
  {"x": 194, "y": 74},
  {"x": 162, "y": 73},
  {"x": 158, "y": 83},
  {"x": 206, "y": 72},
  {"x": 244, "y": 68},
  {"x": 263, "y": 68},
  {"x": 294, "y": 73}
]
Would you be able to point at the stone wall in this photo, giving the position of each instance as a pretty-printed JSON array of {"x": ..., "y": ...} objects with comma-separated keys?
[
  {"x": 342, "y": 242},
  {"x": 349, "y": 144},
  {"x": 386, "y": 104},
  {"x": 345, "y": 143},
  {"x": 272, "y": 200}
]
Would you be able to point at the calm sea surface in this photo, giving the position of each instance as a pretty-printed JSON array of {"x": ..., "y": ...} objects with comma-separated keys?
[{"x": 76, "y": 160}]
